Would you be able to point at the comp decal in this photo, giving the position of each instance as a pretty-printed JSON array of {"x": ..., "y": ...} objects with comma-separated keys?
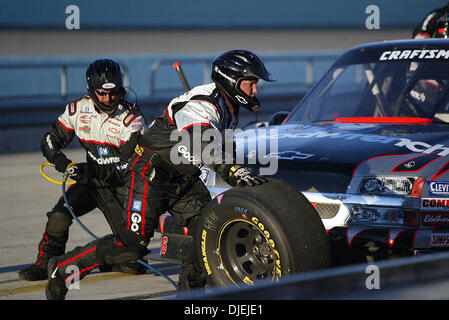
[{"x": 435, "y": 204}]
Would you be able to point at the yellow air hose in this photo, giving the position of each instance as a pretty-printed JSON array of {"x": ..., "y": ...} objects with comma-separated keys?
[{"x": 48, "y": 164}]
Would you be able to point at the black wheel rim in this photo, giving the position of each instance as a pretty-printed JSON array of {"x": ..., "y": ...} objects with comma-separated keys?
[{"x": 245, "y": 254}]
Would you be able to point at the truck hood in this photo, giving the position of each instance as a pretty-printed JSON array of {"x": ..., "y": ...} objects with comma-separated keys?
[{"x": 344, "y": 148}]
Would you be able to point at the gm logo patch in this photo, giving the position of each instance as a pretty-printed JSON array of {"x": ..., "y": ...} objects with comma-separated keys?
[
  {"x": 137, "y": 205},
  {"x": 439, "y": 188},
  {"x": 103, "y": 151}
]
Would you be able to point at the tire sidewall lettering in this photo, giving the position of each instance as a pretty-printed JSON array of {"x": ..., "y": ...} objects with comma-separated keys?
[{"x": 224, "y": 214}]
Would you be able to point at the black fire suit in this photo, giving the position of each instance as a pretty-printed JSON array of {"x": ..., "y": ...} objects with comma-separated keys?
[
  {"x": 109, "y": 141},
  {"x": 156, "y": 184}
]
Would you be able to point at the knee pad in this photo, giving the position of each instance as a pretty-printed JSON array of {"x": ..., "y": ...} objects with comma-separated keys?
[{"x": 58, "y": 222}]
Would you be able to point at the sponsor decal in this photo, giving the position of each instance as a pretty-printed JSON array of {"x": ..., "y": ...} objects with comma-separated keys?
[
  {"x": 136, "y": 219},
  {"x": 137, "y": 205},
  {"x": 190, "y": 157},
  {"x": 435, "y": 219},
  {"x": 136, "y": 125},
  {"x": 289, "y": 155},
  {"x": 72, "y": 108},
  {"x": 414, "y": 146},
  {"x": 439, "y": 188},
  {"x": 164, "y": 245},
  {"x": 49, "y": 143},
  {"x": 128, "y": 119},
  {"x": 138, "y": 149},
  {"x": 224, "y": 75},
  {"x": 418, "y": 96},
  {"x": 410, "y": 164},
  {"x": 435, "y": 203},
  {"x": 241, "y": 210},
  {"x": 107, "y": 160},
  {"x": 86, "y": 110},
  {"x": 204, "y": 175},
  {"x": 85, "y": 118},
  {"x": 113, "y": 123},
  {"x": 85, "y": 129},
  {"x": 203, "y": 252},
  {"x": 439, "y": 240},
  {"x": 114, "y": 130},
  {"x": 414, "y": 54},
  {"x": 108, "y": 85},
  {"x": 241, "y": 99},
  {"x": 103, "y": 151},
  {"x": 53, "y": 275}
]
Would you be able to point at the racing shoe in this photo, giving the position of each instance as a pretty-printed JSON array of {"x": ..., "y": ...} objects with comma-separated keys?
[
  {"x": 130, "y": 268},
  {"x": 190, "y": 277},
  {"x": 56, "y": 288},
  {"x": 33, "y": 273}
]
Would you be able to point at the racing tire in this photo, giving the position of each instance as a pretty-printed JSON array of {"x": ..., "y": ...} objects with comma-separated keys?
[{"x": 266, "y": 231}]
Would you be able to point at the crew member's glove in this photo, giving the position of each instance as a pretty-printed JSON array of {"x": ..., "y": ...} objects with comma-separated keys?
[
  {"x": 80, "y": 172},
  {"x": 61, "y": 162},
  {"x": 241, "y": 176}
]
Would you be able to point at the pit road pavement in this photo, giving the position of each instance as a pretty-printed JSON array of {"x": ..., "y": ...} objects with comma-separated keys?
[{"x": 25, "y": 198}]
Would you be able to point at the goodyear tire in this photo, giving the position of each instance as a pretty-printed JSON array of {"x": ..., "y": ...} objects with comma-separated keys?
[{"x": 262, "y": 232}]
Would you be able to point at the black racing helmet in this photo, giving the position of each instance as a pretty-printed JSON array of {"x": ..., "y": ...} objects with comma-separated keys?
[
  {"x": 105, "y": 74},
  {"x": 230, "y": 68}
]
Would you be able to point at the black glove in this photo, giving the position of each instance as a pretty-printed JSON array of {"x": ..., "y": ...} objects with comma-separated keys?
[
  {"x": 241, "y": 176},
  {"x": 80, "y": 173},
  {"x": 61, "y": 162}
]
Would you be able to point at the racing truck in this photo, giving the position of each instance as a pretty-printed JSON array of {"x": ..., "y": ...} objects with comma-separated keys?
[{"x": 358, "y": 171}]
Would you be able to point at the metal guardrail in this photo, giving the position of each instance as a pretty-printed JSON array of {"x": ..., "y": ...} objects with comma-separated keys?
[
  {"x": 306, "y": 80},
  {"x": 149, "y": 76},
  {"x": 417, "y": 277},
  {"x": 45, "y": 65}
]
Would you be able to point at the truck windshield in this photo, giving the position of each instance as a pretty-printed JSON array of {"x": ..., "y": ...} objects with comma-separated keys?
[{"x": 378, "y": 90}]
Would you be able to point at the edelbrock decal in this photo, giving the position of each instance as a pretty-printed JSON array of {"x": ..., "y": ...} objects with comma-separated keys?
[{"x": 435, "y": 219}]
